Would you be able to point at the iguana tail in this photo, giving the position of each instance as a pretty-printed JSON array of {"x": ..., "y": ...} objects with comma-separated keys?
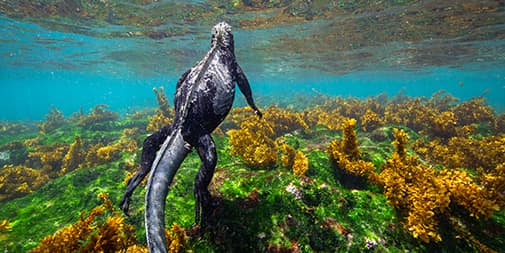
[{"x": 168, "y": 159}]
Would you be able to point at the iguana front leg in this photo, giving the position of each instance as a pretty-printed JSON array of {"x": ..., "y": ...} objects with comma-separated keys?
[{"x": 245, "y": 88}]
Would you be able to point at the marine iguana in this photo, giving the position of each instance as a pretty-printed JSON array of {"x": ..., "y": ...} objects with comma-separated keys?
[{"x": 204, "y": 96}]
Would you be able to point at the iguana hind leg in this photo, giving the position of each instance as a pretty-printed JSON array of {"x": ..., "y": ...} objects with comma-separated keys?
[
  {"x": 151, "y": 145},
  {"x": 206, "y": 149}
]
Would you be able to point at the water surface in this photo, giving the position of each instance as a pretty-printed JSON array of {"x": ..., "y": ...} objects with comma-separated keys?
[{"x": 72, "y": 54}]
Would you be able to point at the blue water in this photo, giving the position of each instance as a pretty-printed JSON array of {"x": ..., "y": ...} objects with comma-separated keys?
[
  {"x": 42, "y": 68},
  {"x": 28, "y": 95}
]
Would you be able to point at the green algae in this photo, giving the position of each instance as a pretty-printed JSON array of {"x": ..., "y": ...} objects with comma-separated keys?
[
  {"x": 256, "y": 209},
  {"x": 57, "y": 204}
]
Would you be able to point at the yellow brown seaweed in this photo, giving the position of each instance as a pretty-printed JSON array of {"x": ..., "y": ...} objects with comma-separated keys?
[
  {"x": 99, "y": 114},
  {"x": 460, "y": 165},
  {"x": 54, "y": 119},
  {"x": 162, "y": 101},
  {"x": 157, "y": 121},
  {"x": 287, "y": 155},
  {"x": 176, "y": 238},
  {"x": 16, "y": 181},
  {"x": 163, "y": 114},
  {"x": 102, "y": 230},
  {"x": 99, "y": 154},
  {"x": 49, "y": 158},
  {"x": 346, "y": 155},
  {"x": 5, "y": 227},
  {"x": 371, "y": 121},
  {"x": 74, "y": 157},
  {"x": 255, "y": 140},
  {"x": 464, "y": 152},
  {"x": 423, "y": 195}
]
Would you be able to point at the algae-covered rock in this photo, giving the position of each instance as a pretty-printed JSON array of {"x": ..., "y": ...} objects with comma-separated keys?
[{"x": 410, "y": 197}]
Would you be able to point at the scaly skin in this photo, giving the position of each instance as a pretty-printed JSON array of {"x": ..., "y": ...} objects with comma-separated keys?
[{"x": 204, "y": 96}]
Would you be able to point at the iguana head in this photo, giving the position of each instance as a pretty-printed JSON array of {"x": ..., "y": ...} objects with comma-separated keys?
[{"x": 221, "y": 35}]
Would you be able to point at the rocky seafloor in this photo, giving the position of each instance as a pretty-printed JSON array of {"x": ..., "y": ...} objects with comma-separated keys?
[{"x": 325, "y": 174}]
